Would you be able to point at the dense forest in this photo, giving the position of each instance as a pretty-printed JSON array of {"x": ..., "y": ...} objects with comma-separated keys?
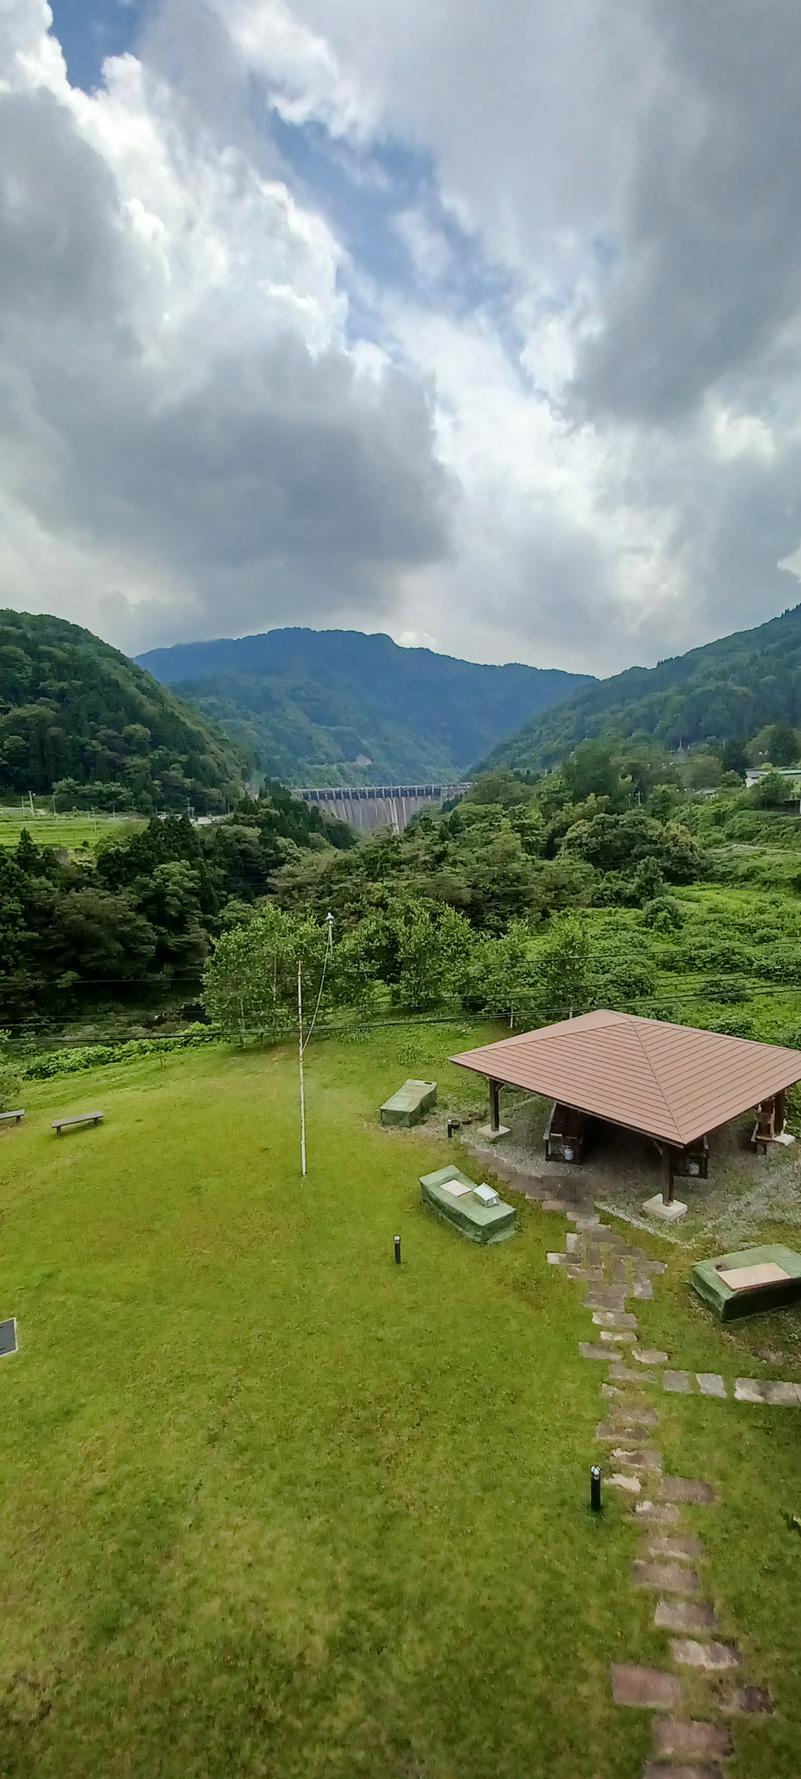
[
  {"x": 79, "y": 721},
  {"x": 609, "y": 881},
  {"x": 81, "y": 933},
  {"x": 339, "y": 707},
  {"x": 727, "y": 690}
]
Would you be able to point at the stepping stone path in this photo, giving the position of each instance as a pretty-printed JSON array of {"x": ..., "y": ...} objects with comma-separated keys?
[{"x": 670, "y": 1561}]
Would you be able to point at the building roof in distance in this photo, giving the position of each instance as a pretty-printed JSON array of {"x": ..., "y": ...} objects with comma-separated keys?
[{"x": 668, "y": 1081}]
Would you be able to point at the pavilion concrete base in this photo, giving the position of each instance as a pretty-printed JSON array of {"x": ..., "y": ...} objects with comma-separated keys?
[
  {"x": 667, "y": 1210},
  {"x": 491, "y": 1136}
]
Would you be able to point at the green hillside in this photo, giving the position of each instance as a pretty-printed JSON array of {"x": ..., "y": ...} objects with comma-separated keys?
[
  {"x": 725, "y": 691},
  {"x": 79, "y": 718},
  {"x": 339, "y": 707}
]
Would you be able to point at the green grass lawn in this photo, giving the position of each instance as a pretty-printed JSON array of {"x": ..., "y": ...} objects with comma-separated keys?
[
  {"x": 273, "y": 1506},
  {"x": 71, "y": 831}
]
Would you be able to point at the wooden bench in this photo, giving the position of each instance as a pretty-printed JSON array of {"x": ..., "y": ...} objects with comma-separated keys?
[
  {"x": 60, "y": 1124},
  {"x": 17, "y": 1116}
]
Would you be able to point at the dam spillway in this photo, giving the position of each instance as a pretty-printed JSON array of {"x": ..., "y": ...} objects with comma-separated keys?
[{"x": 367, "y": 808}]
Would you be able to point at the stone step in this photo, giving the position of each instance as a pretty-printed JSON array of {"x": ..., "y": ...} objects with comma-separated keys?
[
  {"x": 647, "y": 1689},
  {"x": 678, "y": 1738},
  {"x": 658, "y": 1769},
  {"x": 685, "y": 1615},
  {"x": 666, "y": 1578},
  {"x": 679, "y": 1383},
  {"x": 678, "y": 1546},
  {"x": 744, "y": 1701},
  {"x": 688, "y": 1489},
  {"x": 649, "y": 1356},
  {"x": 657, "y": 1513},
  {"x": 712, "y": 1657}
]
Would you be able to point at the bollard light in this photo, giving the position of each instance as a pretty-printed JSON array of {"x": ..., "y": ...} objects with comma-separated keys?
[
  {"x": 595, "y": 1488},
  {"x": 397, "y": 1251}
]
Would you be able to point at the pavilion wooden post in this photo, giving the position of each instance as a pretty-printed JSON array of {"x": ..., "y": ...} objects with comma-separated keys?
[
  {"x": 667, "y": 1175},
  {"x": 495, "y": 1106}
]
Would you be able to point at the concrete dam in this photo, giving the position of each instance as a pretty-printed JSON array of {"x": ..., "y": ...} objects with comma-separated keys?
[{"x": 370, "y": 807}]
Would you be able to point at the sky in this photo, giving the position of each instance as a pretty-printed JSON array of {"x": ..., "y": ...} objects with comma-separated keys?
[{"x": 478, "y": 324}]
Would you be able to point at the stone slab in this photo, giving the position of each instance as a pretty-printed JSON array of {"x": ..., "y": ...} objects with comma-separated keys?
[
  {"x": 556, "y": 1259},
  {"x": 746, "y": 1278},
  {"x": 713, "y": 1657},
  {"x": 750, "y": 1389},
  {"x": 649, "y": 1356},
  {"x": 637, "y": 1459},
  {"x": 689, "y": 1738},
  {"x": 710, "y": 1383},
  {"x": 687, "y": 1488},
  {"x": 694, "y": 1616},
  {"x": 630, "y": 1485},
  {"x": 618, "y": 1393},
  {"x": 744, "y": 1701},
  {"x": 633, "y": 1420},
  {"x": 682, "y": 1547},
  {"x": 657, "y": 1769},
  {"x": 658, "y": 1513},
  {"x": 614, "y": 1319},
  {"x": 588, "y": 1351},
  {"x": 668, "y": 1578},
  {"x": 621, "y": 1373},
  {"x": 572, "y": 1242},
  {"x": 624, "y": 1339},
  {"x": 604, "y": 1297},
  {"x": 679, "y": 1383},
  {"x": 784, "y": 1395},
  {"x": 488, "y": 1135},
  {"x": 610, "y": 1433},
  {"x": 642, "y": 1288},
  {"x": 650, "y": 1689}
]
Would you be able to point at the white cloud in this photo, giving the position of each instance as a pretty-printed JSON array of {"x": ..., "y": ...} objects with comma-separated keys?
[{"x": 566, "y": 435}]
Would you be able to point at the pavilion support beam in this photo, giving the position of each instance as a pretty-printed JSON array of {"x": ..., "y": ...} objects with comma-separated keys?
[
  {"x": 663, "y": 1205},
  {"x": 770, "y": 1119},
  {"x": 494, "y": 1129}
]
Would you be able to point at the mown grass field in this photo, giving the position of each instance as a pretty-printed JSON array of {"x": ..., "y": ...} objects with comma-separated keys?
[
  {"x": 273, "y": 1506},
  {"x": 70, "y": 831}
]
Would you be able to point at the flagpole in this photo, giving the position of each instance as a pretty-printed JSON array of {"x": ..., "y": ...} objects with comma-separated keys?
[{"x": 300, "y": 1076}]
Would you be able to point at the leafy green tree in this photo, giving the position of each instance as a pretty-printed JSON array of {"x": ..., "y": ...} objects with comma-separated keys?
[
  {"x": 783, "y": 745},
  {"x": 564, "y": 970},
  {"x": 250, "y": 982}
]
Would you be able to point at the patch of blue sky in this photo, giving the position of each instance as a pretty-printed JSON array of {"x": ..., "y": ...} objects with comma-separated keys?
[
  {"x": 367, "y": 194},
  {"x": 90, "y": 30}
]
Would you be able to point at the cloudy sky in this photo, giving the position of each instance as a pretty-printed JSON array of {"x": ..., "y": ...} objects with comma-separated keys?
[{"x": 478, "y": 322}]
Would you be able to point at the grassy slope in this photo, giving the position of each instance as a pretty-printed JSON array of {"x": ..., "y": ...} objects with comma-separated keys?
[
  {"x": 271, "y": 1505},
  {"x": 70, "y": 831}
]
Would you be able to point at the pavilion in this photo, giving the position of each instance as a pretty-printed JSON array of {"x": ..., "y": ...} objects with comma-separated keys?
[{"x": 671, "y": 1083}]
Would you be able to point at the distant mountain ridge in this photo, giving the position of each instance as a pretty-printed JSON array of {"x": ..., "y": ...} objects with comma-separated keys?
[
  {"x": 341, "y": 707},
  {"x": 75, "y": 713},
  {"x": 725, "y": 690}
]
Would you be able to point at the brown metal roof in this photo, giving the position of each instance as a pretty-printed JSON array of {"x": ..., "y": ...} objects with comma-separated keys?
[{"x": 669, "y": 1081}]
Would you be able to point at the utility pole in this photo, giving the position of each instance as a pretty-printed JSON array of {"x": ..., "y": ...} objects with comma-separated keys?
[{"x": 300, "y": 1074}]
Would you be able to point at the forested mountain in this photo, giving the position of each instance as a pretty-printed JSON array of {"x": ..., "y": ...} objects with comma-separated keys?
[
  {"x": 339, "y": 707},
  {"x": 724, "y": 691},
  {"x": 79, "y": 718}
]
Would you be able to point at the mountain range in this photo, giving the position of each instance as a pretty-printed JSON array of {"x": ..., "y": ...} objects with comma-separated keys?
[
  {"x": 76, "y": 713},
  {"x": 326, "y": 707},
  {"x": 724, "y": 691}
]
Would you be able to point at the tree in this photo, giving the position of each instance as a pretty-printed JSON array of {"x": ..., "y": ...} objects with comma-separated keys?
[
  {"x": 734, "y": 758},
  {"x": 250, "y": 982},
  {"x": 564, "y": 970},
  {"x": 783, "y": 745}
]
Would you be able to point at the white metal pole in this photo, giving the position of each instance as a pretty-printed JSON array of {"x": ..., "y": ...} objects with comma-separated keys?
[{"x": 300, "y": 1076}]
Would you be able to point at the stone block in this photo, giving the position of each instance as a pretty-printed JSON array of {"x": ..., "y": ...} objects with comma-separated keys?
[
  {"x": 744, "y": 1701},
  {"x": 681, "y": 1547},
  {"x": 687, "y": 1488},
  {"x": 649, "y": 1356},
  {"x": 750, "y": 1389},
  {"x": 679, "y": 1383},
  {"x": 694, "y": 1616},
  {"x": 689, "y": 1739},
  {"x": 657, "y": 1513},
  {"x": 713, "y": 1657},
  {"x": 664, "y": 1211},
  {"x": 710, "y": 1383},
  {"x": 650, "y": 1689},
  {"x": 668, "y": 1578}
]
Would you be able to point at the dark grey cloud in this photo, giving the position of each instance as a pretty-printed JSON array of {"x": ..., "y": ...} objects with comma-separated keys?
[
  {"x": 269, "y": 474},
  {"x": 709, "y": 271}
]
